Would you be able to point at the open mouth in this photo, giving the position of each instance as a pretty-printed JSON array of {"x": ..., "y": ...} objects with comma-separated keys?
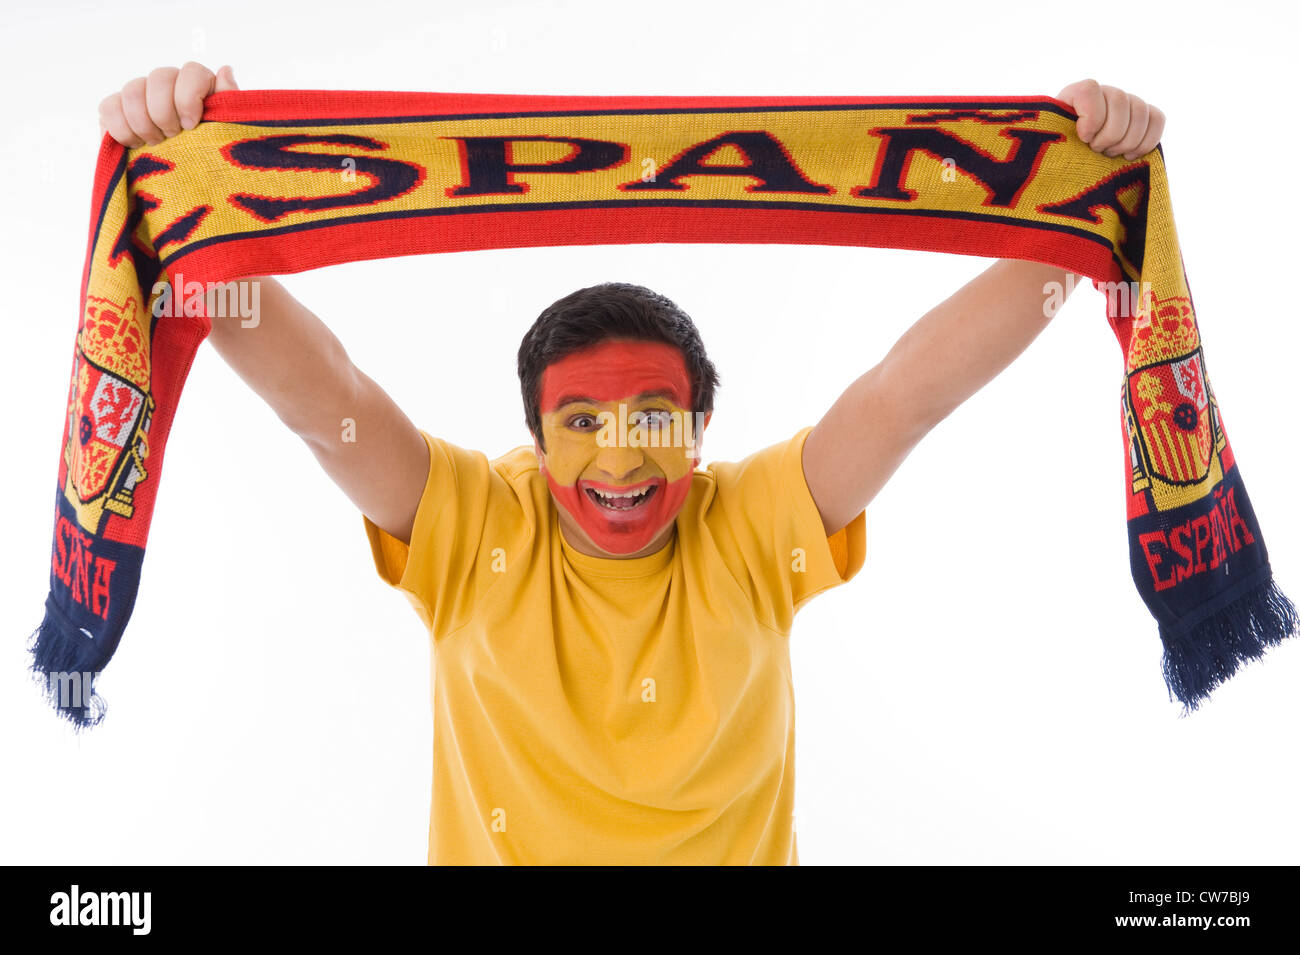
[{"x": 627, "y": 501}]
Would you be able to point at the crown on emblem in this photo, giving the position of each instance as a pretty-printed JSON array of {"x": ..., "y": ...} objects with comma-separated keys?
[
  {"x": 112, "y": 338},
  {"x": 1163, "y": 330}
]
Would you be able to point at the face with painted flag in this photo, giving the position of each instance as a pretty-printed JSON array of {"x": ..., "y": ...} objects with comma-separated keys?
[{"x": 621, "y": 445}]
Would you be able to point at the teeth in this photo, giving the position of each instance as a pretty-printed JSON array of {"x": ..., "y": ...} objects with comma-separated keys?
[{"x": 610, "y": 496}]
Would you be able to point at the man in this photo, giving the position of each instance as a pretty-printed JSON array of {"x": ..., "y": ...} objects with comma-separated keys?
[{"x": 609, "y": 620}]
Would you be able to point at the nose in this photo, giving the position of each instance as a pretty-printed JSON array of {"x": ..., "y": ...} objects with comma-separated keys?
[{"x": 619, "y": 462}]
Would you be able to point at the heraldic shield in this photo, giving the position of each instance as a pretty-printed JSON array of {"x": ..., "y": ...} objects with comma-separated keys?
[
  {"x": 109, "y": 411},
  {"x": 1175, "y": 436}
]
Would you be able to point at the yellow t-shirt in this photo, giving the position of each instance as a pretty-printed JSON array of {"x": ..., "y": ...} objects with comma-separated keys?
[{"x": 597, "y": 711}]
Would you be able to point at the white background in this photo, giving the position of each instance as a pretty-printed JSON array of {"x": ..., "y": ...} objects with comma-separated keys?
[{"x": 987, "y": 689}]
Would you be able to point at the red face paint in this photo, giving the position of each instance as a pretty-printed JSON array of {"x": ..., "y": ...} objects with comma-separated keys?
[{"x": 582, "y": 457}]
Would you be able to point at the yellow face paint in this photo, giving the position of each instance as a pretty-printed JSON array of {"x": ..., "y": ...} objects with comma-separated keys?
[{"x": 620, "y": 464}]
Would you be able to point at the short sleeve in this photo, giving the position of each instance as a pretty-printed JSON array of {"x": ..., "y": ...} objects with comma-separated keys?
[
  {"x": 436, "y": 571},
  {"x": 769, "y": 519}
]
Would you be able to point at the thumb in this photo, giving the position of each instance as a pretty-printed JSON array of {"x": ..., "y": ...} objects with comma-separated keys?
[
  {"x": 1088, "y": 100},
  {"x": 225, "y": 80}
]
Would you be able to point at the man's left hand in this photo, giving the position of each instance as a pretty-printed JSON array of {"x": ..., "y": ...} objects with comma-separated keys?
[{"x": 1113, "y": 122}]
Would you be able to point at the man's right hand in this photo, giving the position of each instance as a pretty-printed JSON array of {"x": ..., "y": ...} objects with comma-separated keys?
[{"x": 157, "y": 107}]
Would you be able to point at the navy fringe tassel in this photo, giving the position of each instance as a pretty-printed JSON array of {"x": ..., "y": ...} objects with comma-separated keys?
[
  {"x": 1201, "y": 658},
  {"x": 65, "y": 664}
]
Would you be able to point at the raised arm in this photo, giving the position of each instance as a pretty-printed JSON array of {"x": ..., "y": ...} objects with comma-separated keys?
[
  {"x": 949, "y": 354},
  {"x": 285, "y": 353},
  {"x": 958, "y": 346},
  {"x": 357, "y": 432}
]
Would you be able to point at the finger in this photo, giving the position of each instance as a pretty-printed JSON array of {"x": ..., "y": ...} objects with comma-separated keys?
[
  {"x": 1087, "y": 99},
  {"x": 192, "y": 85},
  {"x": 225, "y": 80},
  {"x": 1138, "y": 117},
  {"x": 1155, "y": 129},
  {"x": 1113, "y": 129},
  {"x": 113, "y": 121},
  {"x": 160, "y": 94},
  {"x": 136, "y": 111}
]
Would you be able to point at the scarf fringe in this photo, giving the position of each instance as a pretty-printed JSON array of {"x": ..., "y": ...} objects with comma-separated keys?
[
  {"x": 64, "y": 661},
  {"x": 1200, "y": 659}
]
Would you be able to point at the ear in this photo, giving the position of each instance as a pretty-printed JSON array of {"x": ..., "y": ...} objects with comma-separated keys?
[
  {"x": 537, "y": 450},
  {"x": 699, "y": 439}
]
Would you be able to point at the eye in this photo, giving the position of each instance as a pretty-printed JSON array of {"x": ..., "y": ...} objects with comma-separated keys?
[
  {"x": 651, "y": 418},
  {"x": 583, "y": 421}
]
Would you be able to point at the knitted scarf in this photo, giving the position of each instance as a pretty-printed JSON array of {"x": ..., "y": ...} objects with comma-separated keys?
[{"x": 282, "y": 181}]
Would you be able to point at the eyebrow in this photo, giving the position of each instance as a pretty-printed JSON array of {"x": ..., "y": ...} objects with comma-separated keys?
[{"x": 567, "y": 400}]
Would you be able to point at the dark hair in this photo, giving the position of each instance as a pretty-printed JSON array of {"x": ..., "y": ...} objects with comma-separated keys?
[{"x": 608, "y": 311}]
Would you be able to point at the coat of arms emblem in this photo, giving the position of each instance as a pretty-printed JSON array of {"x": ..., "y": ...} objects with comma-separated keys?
[{"x": 109, "y": 412}]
